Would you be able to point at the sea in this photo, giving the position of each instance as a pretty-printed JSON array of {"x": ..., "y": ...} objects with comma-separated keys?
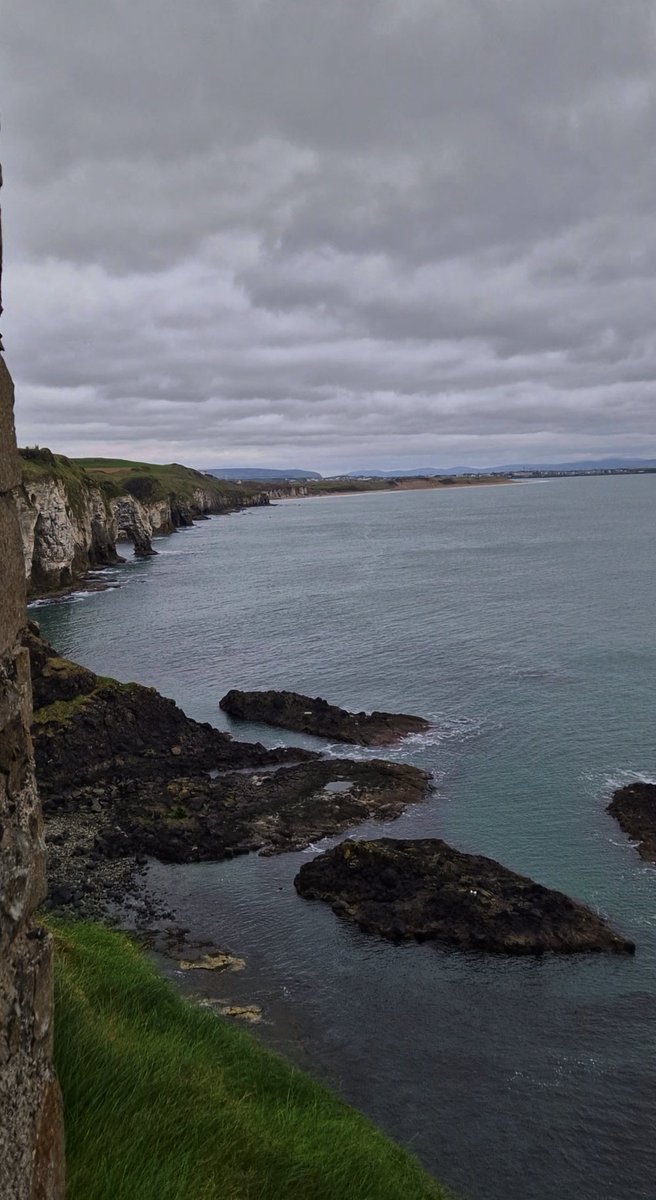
[{"x": 520, "y": 619}]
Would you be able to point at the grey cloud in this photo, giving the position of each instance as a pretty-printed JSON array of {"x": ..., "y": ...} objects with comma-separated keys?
[{"x": 365, "y": 233}]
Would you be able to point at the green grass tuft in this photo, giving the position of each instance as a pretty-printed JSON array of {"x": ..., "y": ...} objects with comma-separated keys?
[
  {"x": 166, "y": 1101},
  {"x": 60, "y": 710}
]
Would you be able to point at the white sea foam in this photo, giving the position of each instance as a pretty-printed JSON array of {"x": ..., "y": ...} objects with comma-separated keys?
[
  {"x": 620, "y": 778},
  {"x": 69, "y": 598},
  {"x": 442, "y": 731}
]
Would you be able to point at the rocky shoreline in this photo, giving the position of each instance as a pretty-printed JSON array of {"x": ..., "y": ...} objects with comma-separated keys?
[
  {"x": 74, "y": 517},
  {"x": 124, "y": 775}
]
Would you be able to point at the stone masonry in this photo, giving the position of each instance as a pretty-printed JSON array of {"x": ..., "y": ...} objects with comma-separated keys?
[{"x": 31, "y": 1127}]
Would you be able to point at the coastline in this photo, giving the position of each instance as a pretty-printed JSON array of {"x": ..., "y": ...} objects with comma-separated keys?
[
  {"x": 269, "y": 985},
  {"x": 405, "y": 485},
  {"x": 90, "y": 580}
]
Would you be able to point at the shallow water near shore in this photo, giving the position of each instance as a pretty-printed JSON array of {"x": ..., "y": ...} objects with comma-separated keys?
[{"x": 520, "y": 619}]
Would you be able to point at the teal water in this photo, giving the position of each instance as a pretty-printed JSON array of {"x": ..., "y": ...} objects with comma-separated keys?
[{"x": 521, "y": 619}]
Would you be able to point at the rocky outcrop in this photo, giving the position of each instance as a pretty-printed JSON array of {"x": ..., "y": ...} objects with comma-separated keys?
[
  {"x": 31, "y": 1128},
  {"x": 71, "y": 521},
  {"x": 132, "y": 775},
  {"x": 427, "y": 890},
  {"x": 303, "y": 714},
  {"x": 134, "y": 522},
  {"x": 634, "y": 808},
  {"x": 64, "y": 532}
]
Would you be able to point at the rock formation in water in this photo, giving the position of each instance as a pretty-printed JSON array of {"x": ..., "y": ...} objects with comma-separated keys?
[
  {"x": 634, "y": 808},
  {"x": 72, "y": 519},
  {"x": 124, "y": 773},
  {"x": 291, "y": 710},
  {"x": 31, "y": 1127},
  {"x": 66, "y": 522},
  {"x": 428, "y": 891}
]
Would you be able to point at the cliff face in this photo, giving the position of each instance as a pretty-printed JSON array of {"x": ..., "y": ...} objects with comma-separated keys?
[
  {"x": 62, "y": 537},
  {"x": 31, "y": 1128},
  {"x": 72, "y": 520}
]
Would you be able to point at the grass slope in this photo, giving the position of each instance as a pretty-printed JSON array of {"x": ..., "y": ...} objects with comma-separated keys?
[
  {"x": 118, "y": 476},
  {"x": 153, "y": 481},
  {"x": 166, "y": 1101},
  {"x": 39, "y": 465}
]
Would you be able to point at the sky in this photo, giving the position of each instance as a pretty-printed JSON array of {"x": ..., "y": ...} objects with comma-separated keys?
[{"x": 362, "y": 233}]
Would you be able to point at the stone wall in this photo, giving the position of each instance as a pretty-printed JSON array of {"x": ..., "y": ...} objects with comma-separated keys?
[{"x": 31, "y": 1130}]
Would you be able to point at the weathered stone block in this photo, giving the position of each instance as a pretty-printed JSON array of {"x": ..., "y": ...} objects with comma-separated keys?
[
  {"x": 10, "y": 472},
  {"x": 31, "y": 1124},
  {"x": 12, "y": 575}
]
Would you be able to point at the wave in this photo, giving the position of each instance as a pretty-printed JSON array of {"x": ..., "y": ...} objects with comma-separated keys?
[
  {"x": 72, "y": 597},
  {"x": 612, "y": 780},
  {"x": 442, "y": 731}
]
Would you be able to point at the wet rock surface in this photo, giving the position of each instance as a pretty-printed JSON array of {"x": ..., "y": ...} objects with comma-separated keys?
[
  {"x": 199, "y": 819},
  {"x": 125, "y": 775},
  {"x": 304, "y": 714},
  {"x": 634, "y": 808},
  {"x": 426, "y": 890}
]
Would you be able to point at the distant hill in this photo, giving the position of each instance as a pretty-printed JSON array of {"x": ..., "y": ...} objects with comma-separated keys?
[
  {"x": 583, "y": 464},
  {"x": 586, "y": 464},
  {"x": 247, "y": 473}
]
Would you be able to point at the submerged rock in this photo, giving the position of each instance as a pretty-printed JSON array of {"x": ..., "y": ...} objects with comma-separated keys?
[
  {"x": 634, "y": 808},
  {"x": 427, "y": 890},
  {"x": 213, "y": 962},
  {"x": 242, "y": 1012},
  {"x": 303, "y": 714}
]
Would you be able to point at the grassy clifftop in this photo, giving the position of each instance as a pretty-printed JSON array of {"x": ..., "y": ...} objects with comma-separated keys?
[
  {"x": 151, "y": 481},
  {"x": 118, "y": 477},
  {"x": 39, "y": 465},
  {"x": 166, "y": 1101}
]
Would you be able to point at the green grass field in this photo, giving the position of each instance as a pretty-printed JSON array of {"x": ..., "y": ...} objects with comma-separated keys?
[
  {"x": 118, "y": 476},
  {"x": 166, "y": 1101},
  {"x": 155, "y": 481}
]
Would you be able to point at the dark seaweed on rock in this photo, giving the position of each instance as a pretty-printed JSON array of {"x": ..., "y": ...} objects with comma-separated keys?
[
  {"x": 425, "y": 889},
  {"x": 305, "y": 714}
]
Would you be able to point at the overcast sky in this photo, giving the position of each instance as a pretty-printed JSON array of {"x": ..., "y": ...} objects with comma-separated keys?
[{"x": 331, "y": 233}]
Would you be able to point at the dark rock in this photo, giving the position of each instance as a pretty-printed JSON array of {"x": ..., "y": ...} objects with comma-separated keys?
[
  {"x": 292, "y": 710},
  {"x": 194, "y": 818},
  {"x": 61, "y": 893},
  {"x": 456, "y": 899},
  {"x": 175, "y": 789},
  {"x": 634, "y": 807},
  {"x": 90, "y": 731}
]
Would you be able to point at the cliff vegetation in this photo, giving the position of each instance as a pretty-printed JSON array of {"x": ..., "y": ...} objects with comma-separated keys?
[{"x": 165, "y": 1100}]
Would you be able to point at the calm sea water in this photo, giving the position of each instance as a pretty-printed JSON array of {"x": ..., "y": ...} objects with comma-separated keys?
[{"x": 521, "y": 619}]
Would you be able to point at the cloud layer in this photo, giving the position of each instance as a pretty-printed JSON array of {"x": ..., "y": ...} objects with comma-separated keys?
[{"x": 332, "y": 235}]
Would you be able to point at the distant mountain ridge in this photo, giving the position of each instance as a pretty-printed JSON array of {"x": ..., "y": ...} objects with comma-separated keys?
[
  {"x": 251, "y": 474},
  {"x": 596, "y": 464}
]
